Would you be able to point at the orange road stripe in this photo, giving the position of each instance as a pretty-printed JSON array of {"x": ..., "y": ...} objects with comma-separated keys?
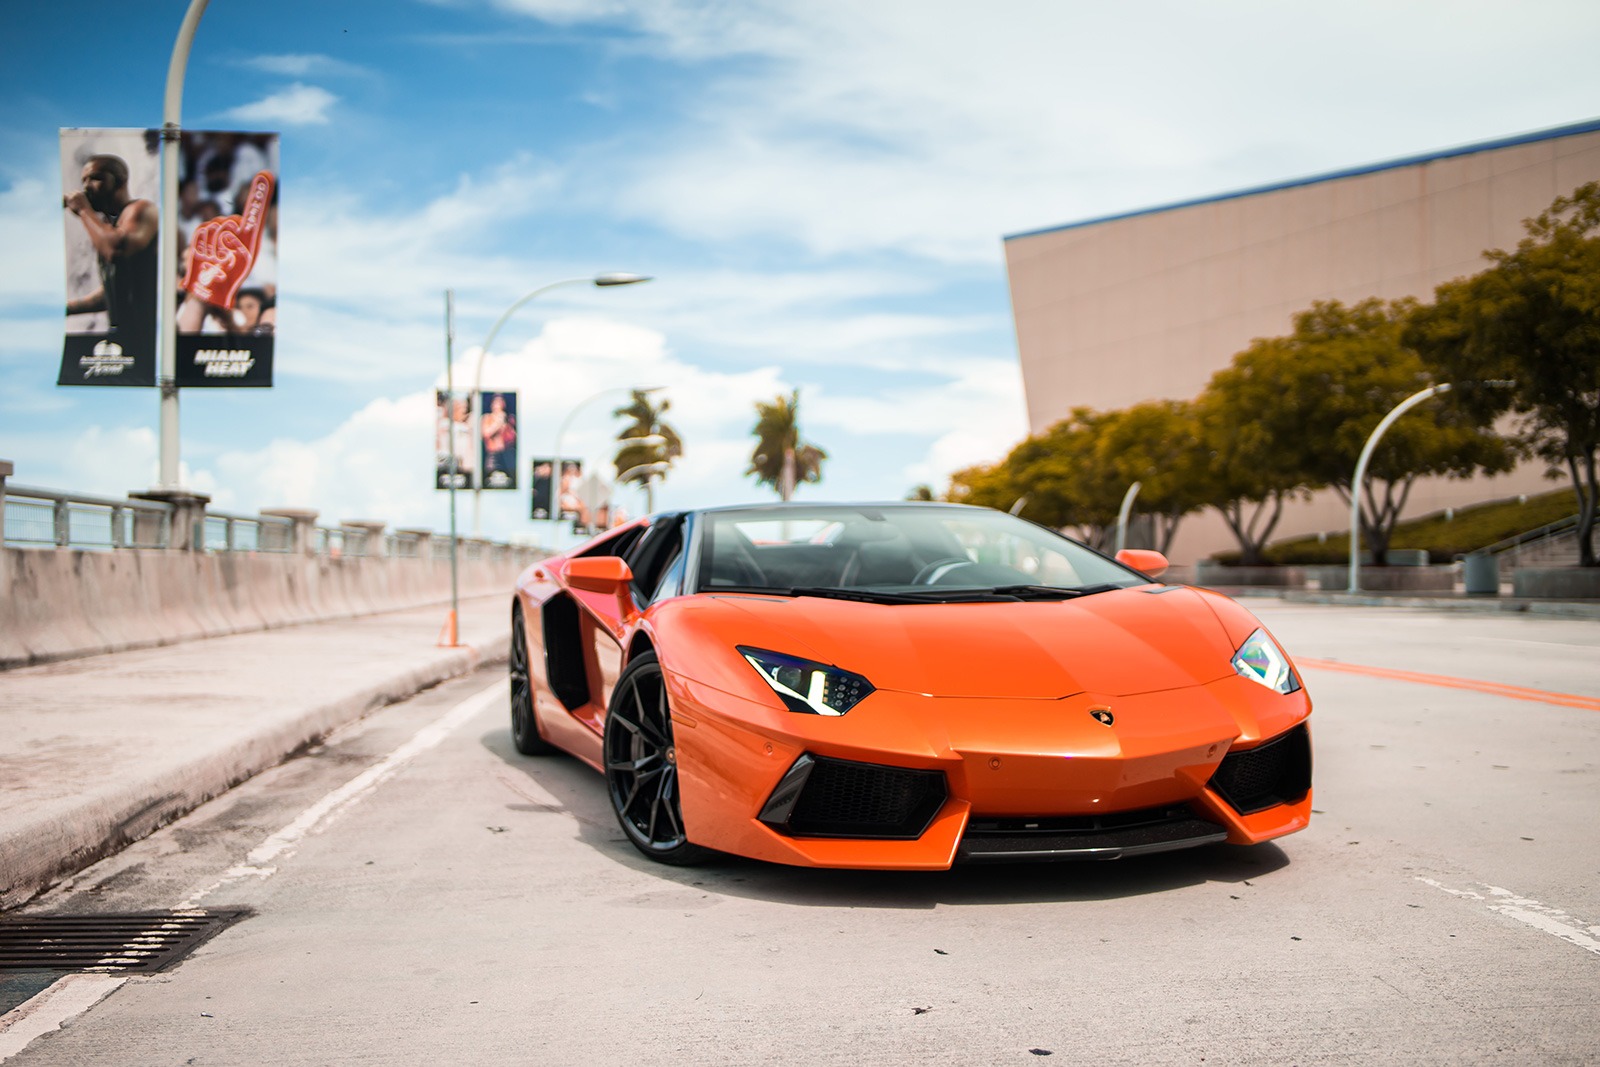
[{"x": 1515, "y": 692}]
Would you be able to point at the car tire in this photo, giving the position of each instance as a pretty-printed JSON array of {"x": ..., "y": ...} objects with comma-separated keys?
[
  {"x": 641, "y": 765},
  {"x": 524, "y": 724}
]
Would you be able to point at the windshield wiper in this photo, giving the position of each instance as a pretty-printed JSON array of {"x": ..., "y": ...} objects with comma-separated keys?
[{"x": 1051, "y": 592}]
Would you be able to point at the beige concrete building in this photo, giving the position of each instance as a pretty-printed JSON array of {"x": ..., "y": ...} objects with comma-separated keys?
[{"x": 1148, "y": 304}]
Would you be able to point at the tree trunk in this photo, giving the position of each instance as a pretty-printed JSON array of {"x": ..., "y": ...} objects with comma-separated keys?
[{"x": 786, "y": 476}]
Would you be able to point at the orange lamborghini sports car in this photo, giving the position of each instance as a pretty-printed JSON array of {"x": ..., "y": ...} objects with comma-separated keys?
[{"x": 903, "y": 686}]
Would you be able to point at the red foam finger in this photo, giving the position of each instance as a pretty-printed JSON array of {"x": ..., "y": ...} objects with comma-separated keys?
[
  {"x": 223, "y": 250},
  {"x": 253, "y": 217}
]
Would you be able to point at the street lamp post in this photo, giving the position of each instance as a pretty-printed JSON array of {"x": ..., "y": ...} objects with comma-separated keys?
[
  {"x": 1360, "y": 478},
  {"x": 561, "y": 432},
  {"x": 1123, "y": 513},
  {"x": 171, "y": 132},
  {"x": 652, "y": 469},
  {"x": 603, "y": 281}
]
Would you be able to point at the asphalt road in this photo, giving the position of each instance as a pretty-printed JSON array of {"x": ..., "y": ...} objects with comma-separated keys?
[{"x": 463, "y": 904}]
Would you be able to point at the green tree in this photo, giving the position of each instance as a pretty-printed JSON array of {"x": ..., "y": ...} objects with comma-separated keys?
[
  {"x": 1292, "y": 414},
  {"x": 984, "y": 485},
  {"x": 1251, "y": 469},
  {"x": 1347, "y": 368},
  {"x": 1056, "y": 479},
  {"x": 1532, "y": 317},
  {"x": 780, "y": 459},
  {"x": 645, "y": 420},
  {"x": 1157, "y": 444},
  {"x": 921, "y": 493}
]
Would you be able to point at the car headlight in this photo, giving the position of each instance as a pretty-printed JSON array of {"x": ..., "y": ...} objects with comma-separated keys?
[
  {"x": 1260, "y": 660},
  {"x": 806, "y": 686}
]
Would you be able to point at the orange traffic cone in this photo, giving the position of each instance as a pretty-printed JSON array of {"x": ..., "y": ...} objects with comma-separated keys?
[{"x": 447, "y": 635}]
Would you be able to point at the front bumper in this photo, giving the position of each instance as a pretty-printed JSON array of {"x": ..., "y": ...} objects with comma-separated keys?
[{"x": 1018, "y": 779}]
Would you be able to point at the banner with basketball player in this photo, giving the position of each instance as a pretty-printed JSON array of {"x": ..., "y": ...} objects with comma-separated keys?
[
  {"x": 228, "y": 257},
  {"x": 109, "y": 195}
]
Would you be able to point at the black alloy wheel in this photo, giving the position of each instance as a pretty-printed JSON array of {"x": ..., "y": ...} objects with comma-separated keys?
[
  {"x": 641, "y": 765},
  {"x": 524, "y": 727}
]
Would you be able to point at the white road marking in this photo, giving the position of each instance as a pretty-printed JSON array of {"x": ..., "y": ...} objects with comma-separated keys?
[
  {"x": 74, "y": 994},
  {"x": 45, "y": 1011},
  {"x": 320, "y": 815},
  {"x": 1552, "y": 921}
]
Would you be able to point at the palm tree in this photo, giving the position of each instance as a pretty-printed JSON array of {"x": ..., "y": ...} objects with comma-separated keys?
[
  {"x": 645, "y": 421},
  {"x": 780, "y": 459},
  {"x": 637, "y": 461}
]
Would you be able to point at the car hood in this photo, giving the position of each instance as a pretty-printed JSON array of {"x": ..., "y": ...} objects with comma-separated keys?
[{"x": 1117, "y": 643}]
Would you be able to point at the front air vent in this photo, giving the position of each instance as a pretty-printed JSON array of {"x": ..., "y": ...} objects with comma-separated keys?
[
  {"x": 1276, "y": 772},
  {"x": 823, "y": 797},
  {"x": 1105, "y": 836}
]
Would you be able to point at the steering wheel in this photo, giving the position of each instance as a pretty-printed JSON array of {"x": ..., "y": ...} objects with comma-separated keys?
[{"x": 931, "y": 574}]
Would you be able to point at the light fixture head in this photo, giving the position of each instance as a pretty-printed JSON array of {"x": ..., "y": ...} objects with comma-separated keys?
[{"x": 620, "y": 278}]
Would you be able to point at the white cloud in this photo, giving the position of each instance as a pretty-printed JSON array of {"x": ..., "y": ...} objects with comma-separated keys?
[
  {"x": 933, "y": 127},
  {"x": 31, "y": 218},
  {"x": 377, "y": 463},
  {"x": 298, "y": 105},
  {"x": 303, "y": 65}
]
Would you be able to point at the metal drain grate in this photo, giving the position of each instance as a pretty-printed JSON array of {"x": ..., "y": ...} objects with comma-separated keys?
[{"x": 142, "y": 942}]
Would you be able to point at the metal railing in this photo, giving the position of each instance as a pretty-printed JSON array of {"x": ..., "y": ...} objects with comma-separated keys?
[
  {"x": 403, "y": 545},
  {"x": 39, "y": 518},
  {"x": 36, "y": 517},
  {"x": 1519, "y": 545},
  {"x": 247, "y": 533}
]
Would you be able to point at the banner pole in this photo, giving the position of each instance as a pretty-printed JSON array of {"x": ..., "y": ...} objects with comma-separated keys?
[
  {"x": 452, "y": 623},
  {"x": 171, "y": 131}
]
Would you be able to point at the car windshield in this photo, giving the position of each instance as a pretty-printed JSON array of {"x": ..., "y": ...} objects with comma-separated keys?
[{"x": 898, "y": 553}]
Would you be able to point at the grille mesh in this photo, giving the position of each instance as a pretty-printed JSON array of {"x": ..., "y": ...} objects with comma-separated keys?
[
  {"x": 1277, "y": 772},
  {"x": 842, "y": 798}
]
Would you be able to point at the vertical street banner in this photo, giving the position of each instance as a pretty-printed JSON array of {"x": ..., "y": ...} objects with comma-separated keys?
[
  {"x": 452, "y": 439},
  {"x": 228, "y": 258},
  {"x": 558, "y": 500},
  {"x": 543, "y": 483},
  {"x": 110, "y": 193},
  {"x": 568, "y": 499},
  {"x": 499, "y": 445}
]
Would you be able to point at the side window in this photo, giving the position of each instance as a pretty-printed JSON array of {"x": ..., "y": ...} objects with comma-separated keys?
[
  {"x": 620, "y": 545},
  {"x": 653, "y": 555},
  {"x": 672, "y": 580}
]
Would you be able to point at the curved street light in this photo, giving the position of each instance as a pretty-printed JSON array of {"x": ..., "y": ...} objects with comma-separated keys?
[
  {"x": 602, "y": 281},
  {"x": 561, "y": 432},
  {"x": 652, "y": 469},
  {"x": 1360, "y": 478},
  {"x": 1123, "y": 513}
]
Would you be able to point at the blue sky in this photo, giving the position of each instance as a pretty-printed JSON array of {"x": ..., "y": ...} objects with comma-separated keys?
[{"x": 819, "y": 187}]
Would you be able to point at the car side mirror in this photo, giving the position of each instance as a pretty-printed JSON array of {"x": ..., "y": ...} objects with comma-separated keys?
[
  {"x": 599, "y": 574},
  {"x": 1143, "y": 560}
]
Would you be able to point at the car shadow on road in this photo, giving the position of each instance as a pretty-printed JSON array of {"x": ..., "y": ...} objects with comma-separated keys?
[{"x": 580, "y": 793}]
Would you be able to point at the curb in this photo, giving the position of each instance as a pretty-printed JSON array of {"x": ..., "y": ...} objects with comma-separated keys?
[
  {"x": 36, "y": 856},
  {"x": 1571, "y": 609}
]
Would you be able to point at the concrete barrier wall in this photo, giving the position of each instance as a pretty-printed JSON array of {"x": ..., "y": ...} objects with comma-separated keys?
[
  {"x": 1565, "y": 583},
  {"x": 64, "y": 603}
]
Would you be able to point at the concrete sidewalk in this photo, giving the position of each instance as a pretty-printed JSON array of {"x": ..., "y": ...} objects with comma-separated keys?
[{"x": 98, "y": 752}]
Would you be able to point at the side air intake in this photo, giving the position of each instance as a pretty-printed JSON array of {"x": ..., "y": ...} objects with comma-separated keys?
[
  {"x": 824, "y": 797},
  {"x": 1275, "y": 772}
]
